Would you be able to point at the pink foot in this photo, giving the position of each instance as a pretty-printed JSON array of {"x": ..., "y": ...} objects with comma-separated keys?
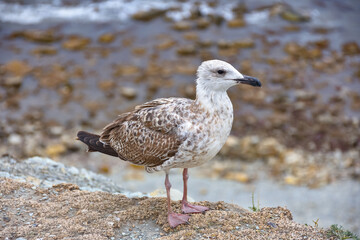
[
  {"x": 188, "y": 208},
  {"x": 175, "y": 219}
]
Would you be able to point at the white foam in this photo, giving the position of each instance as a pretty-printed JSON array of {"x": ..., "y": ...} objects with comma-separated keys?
[
  {"x": 106, "y": 11},
  {"x": 257, "y": 17}
]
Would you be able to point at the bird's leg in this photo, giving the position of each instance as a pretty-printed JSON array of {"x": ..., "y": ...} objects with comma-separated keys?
[
  {"x": 186, "y": 206},
  {"x": 174, "y": 219}
]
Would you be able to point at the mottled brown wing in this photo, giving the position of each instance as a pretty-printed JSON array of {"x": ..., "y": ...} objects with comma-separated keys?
[{"x": 147, "y": 135}]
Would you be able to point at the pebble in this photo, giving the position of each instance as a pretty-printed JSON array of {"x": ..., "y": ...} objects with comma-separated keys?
[
  {"x": 148, "y": 15},
  {"x": 202, "y": 23},
  {"x": 55, "y": 150},
  {"x": 76, "y": 43},
  {"x": 56, "y": 130},
  {"x": 106, "y": 38},
  {"x": 182, "y": 26},
  {"x": 293, "y": 16},
  {"x": 44, "y": 51},
  {"x": 292, "y": 158},
  {"x": 186, "y": 50},
  {"x": 128, "y": 92},
  {"x": 73, "y": 170},
  {"x": 17, "y": 68},
  {"x": 350, "y": 48},
  {"x": 236, "y": 23},
  {"x": 15, "y": 139},
  {"x": 13, "y": 81},
  {"x": 41, "y": 36}
]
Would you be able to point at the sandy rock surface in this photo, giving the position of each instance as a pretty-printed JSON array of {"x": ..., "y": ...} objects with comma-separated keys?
[{"x": 63, "y": 210}]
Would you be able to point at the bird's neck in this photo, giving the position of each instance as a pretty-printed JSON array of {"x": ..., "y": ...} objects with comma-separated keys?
[{"x": 213, "y": 101}]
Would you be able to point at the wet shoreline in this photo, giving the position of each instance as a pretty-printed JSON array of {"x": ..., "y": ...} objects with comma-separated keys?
[{"x": 62, "y": 75}]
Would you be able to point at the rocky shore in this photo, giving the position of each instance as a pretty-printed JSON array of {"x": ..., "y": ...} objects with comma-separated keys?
[
  {"x": 41, "y": 198},
  {"x": 70, "y": 65}
]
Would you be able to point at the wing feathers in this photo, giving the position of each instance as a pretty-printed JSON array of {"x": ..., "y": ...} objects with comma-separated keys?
[{"x": 145, "y": 136}]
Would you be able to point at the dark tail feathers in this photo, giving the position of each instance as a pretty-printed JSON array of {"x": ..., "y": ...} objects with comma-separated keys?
[{"x": 94, "y": 144}]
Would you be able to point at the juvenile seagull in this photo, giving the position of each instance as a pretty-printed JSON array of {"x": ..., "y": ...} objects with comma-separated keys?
[{"x": 175, "y": 132}]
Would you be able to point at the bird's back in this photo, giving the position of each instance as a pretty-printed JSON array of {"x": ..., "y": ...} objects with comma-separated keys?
[{"x": 149, "y": 135}]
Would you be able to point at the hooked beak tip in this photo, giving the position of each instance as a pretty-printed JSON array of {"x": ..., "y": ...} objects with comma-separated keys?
[{"x": 250, "y": 81}]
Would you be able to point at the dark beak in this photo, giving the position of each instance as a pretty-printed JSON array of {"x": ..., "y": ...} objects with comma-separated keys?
[{"x": 249, "y": 80}]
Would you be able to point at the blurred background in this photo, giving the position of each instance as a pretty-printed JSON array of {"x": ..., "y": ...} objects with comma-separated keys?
[{"x": 75, "y": 65}]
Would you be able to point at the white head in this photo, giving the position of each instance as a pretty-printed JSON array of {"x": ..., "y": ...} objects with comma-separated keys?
[{"x": 216, "y": 75}]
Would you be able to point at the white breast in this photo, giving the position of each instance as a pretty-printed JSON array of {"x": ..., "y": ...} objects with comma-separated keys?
[{"x": 206, "y": 132}]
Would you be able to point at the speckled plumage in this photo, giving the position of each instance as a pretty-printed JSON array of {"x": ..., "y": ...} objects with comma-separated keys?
[
  {"x": 170, "y": 133},
  {"x": 175, "y": 132}
]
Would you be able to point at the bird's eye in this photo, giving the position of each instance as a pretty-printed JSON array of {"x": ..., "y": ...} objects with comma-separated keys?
[{"x": 221, "y": 72}]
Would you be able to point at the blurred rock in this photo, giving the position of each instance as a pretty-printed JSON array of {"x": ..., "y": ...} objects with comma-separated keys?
[
  {"x": 125, "y": 70},
  {"x": 54, "y": 150},
  {"x": 138, "y": 51},
  {"x": 322, "y": 44},
  {"x": 305, "y": 95},
  {"x": 216, "y": 19},
  {"x": 186, "y": 70},
  {"x": 76, "y": 43},
  {"x": 191, "y": 36},
  {"x": 56, "y": 130},
  {"x": 224, "y": 44},
  {"x": 104, "y": 169},
  {"x": 293, "y": 16},
  {"x": 186, "y": 50},
  {"x": 246, "y": 43},
  {"x": 291, "y": 180},
  {"x": 166, "y": 44},
  {"x": 248, "y": 147},
  {"x": 52, "y": 76},
  {"x": 39, "y": 36},
  {"x": 202, "y": 23},
  {"x": 287, "y": 13},
  {"x": 240, "y": 9},
  {"x": 292, "y": 157},
  {"x": 134, "y": 175},
  {"x": 291, "y": 28},
  {"x": 106, "y": 38},
  {"x": 15, "y": 139},
  {"x": 107, "y": 85},
  {"x": 270, "y": 147},
  {"x": 128, "y": 92},
  {"x": 243, "y": 148},
  {"x": 230, "y": 147},
  {"x": 204, "y": 43},
  {"x": 237, "y": 176},
  {"x": 13, "y": 81},
  {"x": 44, "y": 51},
  {"x": 148, "y": 15},
  {"x": 182, "y": 26},
  {"x": 17, "y": 68},
  {"x": 350, "y": 48},
  {"x": 314, "y": 53},
  {"x": 236, "y": 23},
  {"x": 293, "y": 49}
]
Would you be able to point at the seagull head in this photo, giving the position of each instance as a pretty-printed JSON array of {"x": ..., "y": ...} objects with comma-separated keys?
[{"x": 218, "y": 75}]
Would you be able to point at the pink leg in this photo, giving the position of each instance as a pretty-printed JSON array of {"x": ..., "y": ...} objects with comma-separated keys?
[
  {"x": 187, "y": 207},
  {"x": 174, "y": 219}
]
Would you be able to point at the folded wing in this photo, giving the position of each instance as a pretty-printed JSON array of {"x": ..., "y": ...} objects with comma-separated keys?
[{"x": 146, "y": 136}]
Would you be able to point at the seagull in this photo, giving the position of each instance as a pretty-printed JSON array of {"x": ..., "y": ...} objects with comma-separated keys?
[{"x": 173, "y": 132}]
